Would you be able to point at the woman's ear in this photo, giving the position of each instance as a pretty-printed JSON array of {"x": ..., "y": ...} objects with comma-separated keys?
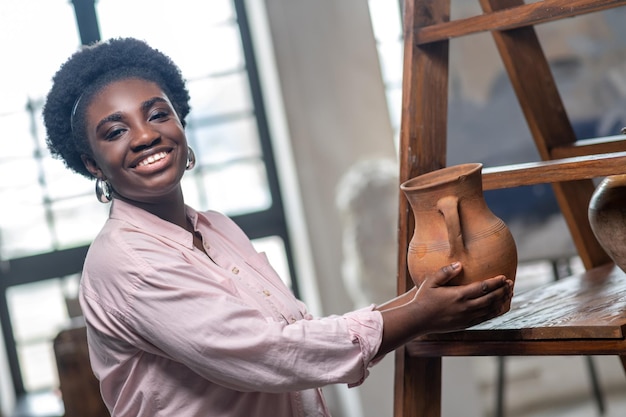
[{"x": 91, "y": 165}]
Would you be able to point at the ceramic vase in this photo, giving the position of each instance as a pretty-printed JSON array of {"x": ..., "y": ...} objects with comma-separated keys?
[
  {"x": 454, "y": 223},
  {"x": 607, "y": 217}
]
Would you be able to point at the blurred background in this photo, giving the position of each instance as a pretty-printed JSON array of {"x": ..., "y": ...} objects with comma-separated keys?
[{"x": 295, "y": 116}]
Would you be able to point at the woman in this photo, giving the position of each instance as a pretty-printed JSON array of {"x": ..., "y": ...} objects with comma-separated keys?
[{"x": 184, "y": 317}]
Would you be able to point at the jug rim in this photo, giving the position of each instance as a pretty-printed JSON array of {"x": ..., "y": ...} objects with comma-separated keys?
[{"x": 441, "y": 176}]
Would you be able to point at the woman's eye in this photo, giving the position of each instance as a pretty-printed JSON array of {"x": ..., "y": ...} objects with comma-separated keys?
[
  {"x": 113, "y": 133},
  {"x": 157, "y": 115}
]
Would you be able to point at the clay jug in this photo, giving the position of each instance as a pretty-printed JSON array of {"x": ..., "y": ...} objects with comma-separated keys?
[
  {"x": 453, "y": 222},
  {"x": 607, "y": 217}
]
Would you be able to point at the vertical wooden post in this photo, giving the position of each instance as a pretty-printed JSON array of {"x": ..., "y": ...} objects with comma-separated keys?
[{"x": 423, "y": 148}]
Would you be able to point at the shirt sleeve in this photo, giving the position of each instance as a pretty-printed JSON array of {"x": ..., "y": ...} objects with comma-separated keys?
[{"x": 367, "y": 332}]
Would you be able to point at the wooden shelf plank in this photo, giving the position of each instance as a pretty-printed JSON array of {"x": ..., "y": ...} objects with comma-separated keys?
[
  {"x": 561, "y": 170},
  {"x": 593, "y": 146},
  {"x": 436, "y": 349},
  {"x": 590, "y": 307},
  {"x": 511, "y": 18}
]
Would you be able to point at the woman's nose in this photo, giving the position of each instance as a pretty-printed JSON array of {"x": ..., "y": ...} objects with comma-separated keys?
[{"x": 145, "y": 136}]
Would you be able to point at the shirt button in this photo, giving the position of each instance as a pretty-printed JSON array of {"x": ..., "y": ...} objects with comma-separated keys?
[
  {"x": 235, "y": 270},
  {"x": 267, "y": 293}
]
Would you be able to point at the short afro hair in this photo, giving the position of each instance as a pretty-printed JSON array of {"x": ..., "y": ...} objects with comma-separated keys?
[{"x": 87, "y": 72}]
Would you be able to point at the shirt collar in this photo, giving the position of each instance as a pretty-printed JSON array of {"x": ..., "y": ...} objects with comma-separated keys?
[{"x": 144, "y": 220}]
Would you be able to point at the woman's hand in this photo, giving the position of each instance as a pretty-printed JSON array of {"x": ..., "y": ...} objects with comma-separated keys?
[
  {"x": 439, "y": 308},
  {"x": 436, "y": 307}
]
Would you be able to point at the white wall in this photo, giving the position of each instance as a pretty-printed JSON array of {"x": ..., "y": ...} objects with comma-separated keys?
[{"x": 335, "y": 114}]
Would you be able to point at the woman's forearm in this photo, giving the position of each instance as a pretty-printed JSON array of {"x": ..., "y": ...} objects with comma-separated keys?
[{"x": 398, "y": 301}]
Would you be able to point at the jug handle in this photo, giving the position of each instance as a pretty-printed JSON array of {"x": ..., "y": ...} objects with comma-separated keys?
[{"x": 448, "y": 206}]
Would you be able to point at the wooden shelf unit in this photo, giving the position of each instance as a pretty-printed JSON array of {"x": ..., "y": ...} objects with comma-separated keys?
[{"x": 570, "y": 321}]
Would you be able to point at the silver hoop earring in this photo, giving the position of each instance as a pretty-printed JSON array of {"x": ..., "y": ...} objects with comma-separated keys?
[
  {"x": 103, "y": 191},
  {"x": 191, "y": 159}
]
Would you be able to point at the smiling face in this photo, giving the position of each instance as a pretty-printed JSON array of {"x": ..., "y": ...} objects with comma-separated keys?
[{"x": 137, "y": 140}]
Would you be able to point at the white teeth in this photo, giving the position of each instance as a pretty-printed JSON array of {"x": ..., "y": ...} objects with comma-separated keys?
[{"x": 152, "y": 159}]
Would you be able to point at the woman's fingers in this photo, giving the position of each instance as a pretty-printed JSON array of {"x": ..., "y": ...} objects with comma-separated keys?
[
  {"x": 485, "y": 287},
  {"x": 474, "y": 290},
  {"x": 445, "y": 274},
  {"x": 492, "y": 296}
]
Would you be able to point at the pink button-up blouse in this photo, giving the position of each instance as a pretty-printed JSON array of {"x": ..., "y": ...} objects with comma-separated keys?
[{"x": 174, "y": 332}]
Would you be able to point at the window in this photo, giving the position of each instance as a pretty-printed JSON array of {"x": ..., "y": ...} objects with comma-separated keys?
[
  {"x": 387, "y": 25},
  {"x": 49, "y": 214}
]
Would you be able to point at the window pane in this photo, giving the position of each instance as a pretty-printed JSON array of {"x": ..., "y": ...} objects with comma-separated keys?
[
  {"x": 37, "y": 35},
  {"x": 387, "y": 24},
  {"x": 61, "y": 183},
  {"x": 38, "y": 366},
  {"x": 24, "y": 232},
  {"x": 391, "y": 54},
  {"x": 219, "y": 96},
  {"x": 274, "y": 247},
  {"x": 198, "y": 36},
  {"x": 385, "y": 16},
  {"x": 217, "y": 51},
  {"x": 21, "y": 142},
  {"x": 234, "y": 189},
  {"x": 15, "y": 174},
  {"x": 37, "y": 310},
  {"x": 78, "y": 220},
  {"x": 37, "y": 313},
  {"x": 40, "y": 35},
  {"x": 224, "y": 142}
]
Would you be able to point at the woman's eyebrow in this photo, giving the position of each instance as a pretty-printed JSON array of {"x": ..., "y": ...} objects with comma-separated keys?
[
  {"x": 110, "y": 118},
  {"x": 150, "y": 102}
]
